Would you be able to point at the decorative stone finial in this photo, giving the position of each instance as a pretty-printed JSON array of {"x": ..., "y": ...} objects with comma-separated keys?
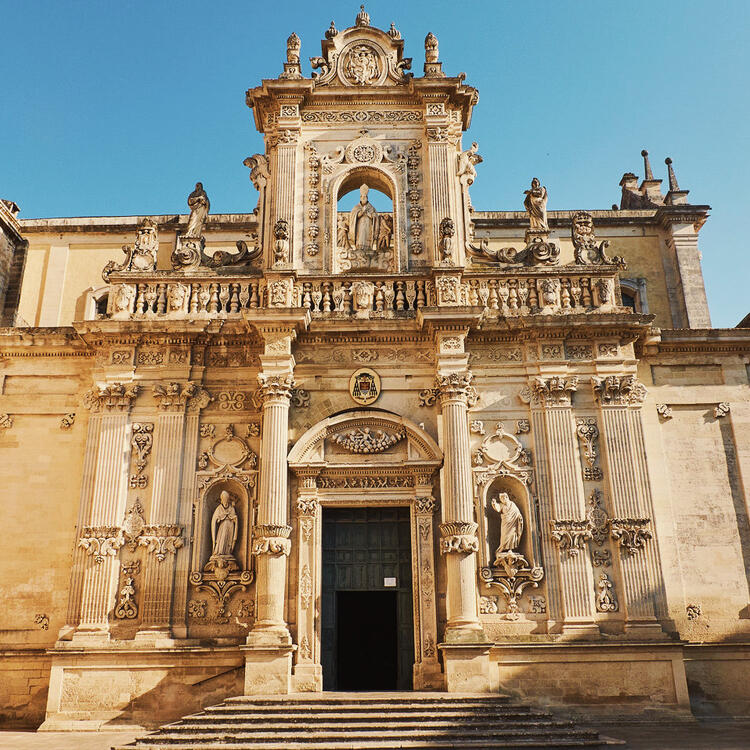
[
  {"x": 673, "y": 186},
  {"x": 647, "y": 166},
  {"x": 293, "y": 44},
  {"x": 331, "y": 31},
  {"x": 363, "y": 18},
  {"x": 431, "y": 53},
  {"x": 393, "y": 32},
  {"x": 291, "y": 66}
]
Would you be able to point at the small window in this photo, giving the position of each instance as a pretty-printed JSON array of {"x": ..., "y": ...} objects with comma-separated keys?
[
  {"x": 101, "y": 306},
  {"x": 628, "y": 300}
]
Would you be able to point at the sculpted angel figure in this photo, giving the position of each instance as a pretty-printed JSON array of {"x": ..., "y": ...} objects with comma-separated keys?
[
  {"x": 467, "y": 161},
  {"x": 535, "y": 204},
  {"x": 224, "y": 526},
  {"x": 511, "y": 525},
  {"x": 363, "y": 220},
  {"x": 199, "y": 205}
]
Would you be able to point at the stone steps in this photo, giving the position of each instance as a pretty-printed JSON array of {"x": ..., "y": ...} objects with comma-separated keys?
[{"x": 354, "y": 722}]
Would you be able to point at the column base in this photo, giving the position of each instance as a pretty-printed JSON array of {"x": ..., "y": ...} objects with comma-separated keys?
[
  {"x": 269, "y": 634},
  {"x": 646, "y": 631},
  {"x": 469, "y": 633},
  {"x": 268, "y": 669},
  {"x": 157, "y": 637},
  {"x": 91, "y": 638},
  {"x": 467, "y": 668},
  {"x": 579, "y": 631},
  {"x": 307, "y": 678}
]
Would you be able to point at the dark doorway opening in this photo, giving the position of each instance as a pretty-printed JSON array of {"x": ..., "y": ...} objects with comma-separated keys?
[
  {"x": 367, "y": 624},
  {"x": 367, "y": 640}
]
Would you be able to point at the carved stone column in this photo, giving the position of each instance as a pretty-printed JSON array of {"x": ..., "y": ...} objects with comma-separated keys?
[
  {"x": 459, "y": 529},
  {"x": 96, "y": 566},
  {"x": 268, "y": 653},
  {"x": 631, "y": 522},
  {"x": 570, "y": 582},
  {"x": 308, "y": 672}
]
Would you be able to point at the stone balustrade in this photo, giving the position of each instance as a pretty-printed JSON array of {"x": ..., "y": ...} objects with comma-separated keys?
[{"x": 513, "y": 292}]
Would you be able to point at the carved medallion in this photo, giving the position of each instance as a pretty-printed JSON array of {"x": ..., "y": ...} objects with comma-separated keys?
[
  {"x": 364, "y": 386},
  {"x": 361, "y": 65}
]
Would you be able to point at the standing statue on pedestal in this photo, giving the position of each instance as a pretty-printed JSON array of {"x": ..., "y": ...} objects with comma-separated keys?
[
  {"x": 224, "y": 523},
  {"x": 363, "y": 224},
  {"x": 535, "y": 204},
  {"x": 199, "y": 206},
  {"x": 511, "y": 527}
]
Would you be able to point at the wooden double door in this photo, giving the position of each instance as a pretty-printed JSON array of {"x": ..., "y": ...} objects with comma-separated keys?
[{"x": 367, "y": 621}]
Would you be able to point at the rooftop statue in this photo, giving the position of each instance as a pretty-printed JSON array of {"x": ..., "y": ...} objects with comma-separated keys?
[
  {"x": 535, "y": 204},
  {"x": 199, "y": 206},
  {"x": 467, "y": 161}
]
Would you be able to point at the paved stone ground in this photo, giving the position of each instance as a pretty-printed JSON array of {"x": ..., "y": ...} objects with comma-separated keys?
[{"x": 714, "y": 735}]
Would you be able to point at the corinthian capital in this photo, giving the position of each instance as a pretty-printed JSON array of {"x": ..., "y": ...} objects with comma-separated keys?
[
  {"x": 274, "y": 386},
  {"x": 554, "y": 391},
  {"x": 456, "y": 385},
  {"x": 617, "y": 390},
  {"x": 113, "y": 397}
]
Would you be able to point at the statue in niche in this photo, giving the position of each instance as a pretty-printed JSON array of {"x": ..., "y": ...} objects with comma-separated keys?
[
  {"x": 199, "y": 206},
  {"x": 385, "y": 233},
  {"x": 511, "y": 528},
  {"x": 535, "y": 204},
  {"x": 363, "y": 228},
  {"x": 467, "y": 161},
  {"x": 224, "y": 526}
]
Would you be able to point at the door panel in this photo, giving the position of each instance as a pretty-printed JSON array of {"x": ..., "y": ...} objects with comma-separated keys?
[{"x": 361, "y": 547}]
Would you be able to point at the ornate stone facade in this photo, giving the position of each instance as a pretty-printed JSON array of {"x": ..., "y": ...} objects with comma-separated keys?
[{"x": 569, "y": 447}]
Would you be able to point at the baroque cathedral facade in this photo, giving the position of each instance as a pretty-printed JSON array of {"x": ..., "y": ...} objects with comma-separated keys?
[{"x": 367, "y": 436}]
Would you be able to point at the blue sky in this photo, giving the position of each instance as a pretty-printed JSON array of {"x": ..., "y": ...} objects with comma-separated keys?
[{"x": 118, "y": 108}]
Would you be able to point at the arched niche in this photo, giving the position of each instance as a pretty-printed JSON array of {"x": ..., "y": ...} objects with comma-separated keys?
[
  {"x": 324, "y": 444},
  {"x": 490, "y": 519},
  {"x": 346, "y": 259},
  {"x": 209, "y": 504}
]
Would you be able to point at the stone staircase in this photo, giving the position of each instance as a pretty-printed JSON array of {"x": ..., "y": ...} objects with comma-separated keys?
[{"x": 360, "y": 721}]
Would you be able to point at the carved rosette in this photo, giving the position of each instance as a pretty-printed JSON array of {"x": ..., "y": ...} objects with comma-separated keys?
[
  {"x": 571, "y": 536},
  {"x": 630, "y": 533},
  {"x": 618, "y": 390},
  {"x": 112, "y": 397},
  {"x": 274, "y": 388},
  {"x": 554, "y": 391},
  {"x": 459, "y": 537},
  {"x": 456, "y": 386},
  {"x": 272, "y": 539}
]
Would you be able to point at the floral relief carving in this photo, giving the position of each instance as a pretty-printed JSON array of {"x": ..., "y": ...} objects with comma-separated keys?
[
  {"x": 67, "y": 421},
  {"x": 305, "y": 586},
  {"x": 458, "y": 537},
  {"x": 425, "y": 505},
  {"x": 272, "y": 539},
  {"x": 588, "y": 433},
  {"x": 307, "y": 506},
  {"x": 42, "y": 621},
  {"x": 630, "y": 533},
  {"x": 6, "y": 421},
  {"x": 721, "y": 410},
  {"x": 476, "y": 427},
  {"x": 366, "y": 440},
  {"x": 664, "y": 411},
  {"x": 597, "y": 517},
  {"x": 571, "y": 536},
  {"x": 142, "y": 439},
  {"x": 115, "y": 396},
  {"x": 618, "y": 390},
  {"x": 127, "y": 607},
  {"x": 488, "y": 605},
  {"x": 101, "y": 541},
  {"x": 605, "y": 595},
  {"x": 174, "y": 396},
  {"x": 232, "y": 400}
]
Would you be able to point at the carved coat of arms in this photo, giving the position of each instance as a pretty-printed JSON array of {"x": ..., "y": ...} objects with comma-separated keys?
[
  {"x": 362, "y": 65},
  {"x": 364, "y": 386}
]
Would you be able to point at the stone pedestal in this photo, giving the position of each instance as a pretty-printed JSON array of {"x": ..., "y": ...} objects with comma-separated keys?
[
  {"x": 468, "y": 669},
  {"x": 268, "y": 669}
]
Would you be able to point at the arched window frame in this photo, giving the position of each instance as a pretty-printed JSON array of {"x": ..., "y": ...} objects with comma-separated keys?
[{"x": 636, "y": 288}]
